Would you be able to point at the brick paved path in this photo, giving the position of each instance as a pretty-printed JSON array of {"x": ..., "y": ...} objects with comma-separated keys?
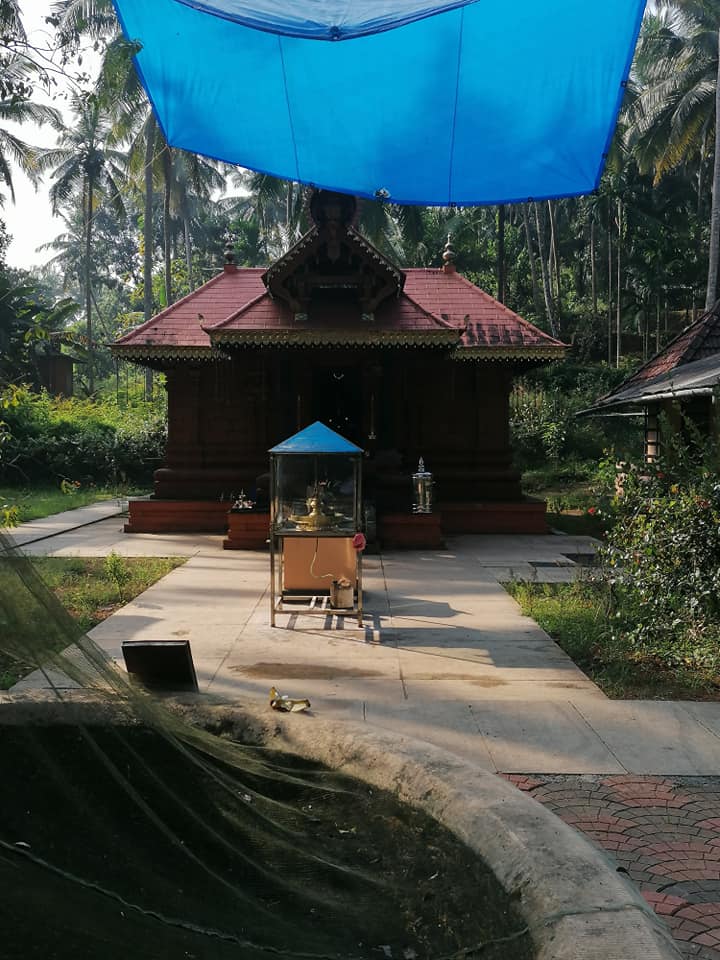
[{"x": 664, "y": 832}]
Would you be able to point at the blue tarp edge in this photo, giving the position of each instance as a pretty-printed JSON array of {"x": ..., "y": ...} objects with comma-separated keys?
[
  {"x": 621, "y": 93},
  {"x": 254, "y": 24}
]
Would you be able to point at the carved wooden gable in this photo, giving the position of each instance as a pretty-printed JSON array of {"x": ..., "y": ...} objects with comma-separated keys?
[{"x": 333, "y": 262}]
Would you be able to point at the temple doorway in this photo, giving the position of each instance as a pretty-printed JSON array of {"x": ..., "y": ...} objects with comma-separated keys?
[{"x": 337, "y": 400}]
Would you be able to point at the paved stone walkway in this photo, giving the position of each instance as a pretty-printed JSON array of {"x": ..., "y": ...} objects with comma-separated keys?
[{"x": 664, "y": 832}]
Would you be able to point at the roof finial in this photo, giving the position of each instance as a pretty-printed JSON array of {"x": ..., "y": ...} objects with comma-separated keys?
[
  {"x": 448, "y": 256},
  {"x": 229, "y": 252}
]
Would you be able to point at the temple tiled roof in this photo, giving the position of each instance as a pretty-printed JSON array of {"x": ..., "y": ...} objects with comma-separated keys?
[
  {"x": 265, "y": 320},
  {"x": 181, "y": 324},
  {"x": 486, "y": 322},
  {"x": 437, "y": 307}
]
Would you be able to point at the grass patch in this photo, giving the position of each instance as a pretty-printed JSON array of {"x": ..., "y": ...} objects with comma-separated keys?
[
  {"x": 576, "y": 617},
  {"x": 33, "y": 503},
  {"x": 577, "y": 523},
  {"x": 89, "y": 589},
  {"x": 570, "y": 483},
  {"x": 569, "y": 491}
]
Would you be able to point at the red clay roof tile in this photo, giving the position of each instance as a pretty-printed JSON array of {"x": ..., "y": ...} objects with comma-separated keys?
[
  {"x": 181, "y": 323},
  {"x": 432, "y": 302},
  {"x": 397, "y": 314},
  {"x": 487, "y": 321}
]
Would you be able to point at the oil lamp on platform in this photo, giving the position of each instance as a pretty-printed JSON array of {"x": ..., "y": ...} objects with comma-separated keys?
[{"x": 423, "y": 483}]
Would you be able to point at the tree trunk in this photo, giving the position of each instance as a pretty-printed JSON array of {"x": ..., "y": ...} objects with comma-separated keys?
[
  {"x": 100, "y": 323},
  {"x": 531, "y": 257},
  {"x": 167, "y": 184},
  {"x": 593, "y": 274},
  {"x": 88, "y": 288},
  {"x": 701, "y": 190},
  {"x": 610, "y": 284},
  {"x": 148, "y": 238},
  {"x": 547, "y": 293},
  {"x": 556, "y": 262},
  {"x": 699, "y": 212},
  {"x": 714, "y": 256},
  {"x": 188, "y": 251},
  {"x": 501, "y": 252},
  {"x": 618, "y": 345}
]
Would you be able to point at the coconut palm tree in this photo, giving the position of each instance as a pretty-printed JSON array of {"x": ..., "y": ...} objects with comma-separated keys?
[
  {"x": 277, "y": 206},
  {"x": 151, "y": 163},
  {"x": 673, "y": 115},
  {"x": 16, "y": 109},
  {"x": 84, "y": 168},
  {"x": 77, "y": 18},
  {"x": 195, "y": 179}
]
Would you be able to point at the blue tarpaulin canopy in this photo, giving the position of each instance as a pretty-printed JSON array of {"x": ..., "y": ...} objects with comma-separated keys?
[{"x": 432, "y": 102}]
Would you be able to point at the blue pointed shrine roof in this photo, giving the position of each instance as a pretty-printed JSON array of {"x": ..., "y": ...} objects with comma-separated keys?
[
  {"x": 316, "y": 439},
  {"x": 436, "y": 102}
]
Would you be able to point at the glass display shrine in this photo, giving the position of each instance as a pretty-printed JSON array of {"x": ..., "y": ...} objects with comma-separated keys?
[{"x": 315, "y": 514}]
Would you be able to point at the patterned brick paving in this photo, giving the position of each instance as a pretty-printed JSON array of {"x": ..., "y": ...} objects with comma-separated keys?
[{"x": 664, "y": 832}]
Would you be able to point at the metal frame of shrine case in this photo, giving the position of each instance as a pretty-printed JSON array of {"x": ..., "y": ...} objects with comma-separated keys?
[{"x": 315, "y": 493}]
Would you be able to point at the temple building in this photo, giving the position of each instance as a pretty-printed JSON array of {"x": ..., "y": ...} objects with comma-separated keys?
[{"x": 406, "y": 363}]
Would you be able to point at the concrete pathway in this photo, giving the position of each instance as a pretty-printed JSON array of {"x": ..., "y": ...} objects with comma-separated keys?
[
  {"x": 445, "y": 655},
  {"x": 69, "y": 520},
  {"x": 103, "y": 535}
]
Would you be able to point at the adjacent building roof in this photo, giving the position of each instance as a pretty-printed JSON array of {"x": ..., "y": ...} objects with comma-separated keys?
[
  {"x": 688, "y": 366},
  {"x": 696, "y": 379},
  {"x": 699, "y": 340},
  {"x": 435, "y": 308}
]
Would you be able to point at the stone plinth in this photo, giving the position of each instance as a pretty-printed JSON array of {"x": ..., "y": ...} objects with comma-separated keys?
[
  {"x": 247, "y": 530},
  {"x": 411, "y": 531},
  {"x": 522, "y": 516},
  {"x": 176, "y": 516}
]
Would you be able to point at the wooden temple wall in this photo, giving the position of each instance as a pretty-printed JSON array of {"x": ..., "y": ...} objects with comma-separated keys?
[{"x": 224, "y": 415}]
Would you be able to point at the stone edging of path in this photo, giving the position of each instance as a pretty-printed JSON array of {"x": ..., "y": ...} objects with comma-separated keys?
[
  {"x": 34, "y": 531},
  {"x": 575, "y": 904}
]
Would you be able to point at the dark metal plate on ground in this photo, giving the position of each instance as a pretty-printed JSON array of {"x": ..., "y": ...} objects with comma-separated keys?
[{"x": 160, "y": 664}]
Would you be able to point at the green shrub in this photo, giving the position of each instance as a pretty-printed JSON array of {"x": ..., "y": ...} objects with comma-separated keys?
[
  {"x": 49, "y": 439},
  {"x": 662, "y": 562},
  {"x": 117, "y": 571},
  {"x": 577, "y": 616},
  {"x": 544, "y": 425}
]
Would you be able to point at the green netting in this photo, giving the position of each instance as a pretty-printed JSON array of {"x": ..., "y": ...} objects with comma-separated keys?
[{"x": 128, "y": 833}]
